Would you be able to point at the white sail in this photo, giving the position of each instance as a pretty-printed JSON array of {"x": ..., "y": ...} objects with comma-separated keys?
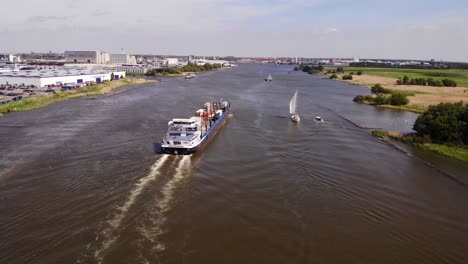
[{"x": 293, "y": 104}]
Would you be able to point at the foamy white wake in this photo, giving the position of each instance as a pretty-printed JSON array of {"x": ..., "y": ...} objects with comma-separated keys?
[
  {"x": 158, "y": 215},
  {"x": 109, "y": 233}
]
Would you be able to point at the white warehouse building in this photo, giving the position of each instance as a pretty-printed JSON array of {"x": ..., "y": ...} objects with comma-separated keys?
[{"x": 57, "y": 77}]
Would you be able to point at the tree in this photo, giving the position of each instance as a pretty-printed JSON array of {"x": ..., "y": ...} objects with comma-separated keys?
[
  {"x": 406, "y": 80},
  {"x": 208, "y": 67},
  {"x": 340, "y": 69},
  {"x": 359, "y": 98},
  {"x": 398, "y": 99},
  {"x": 112, "y": 76},
  {"x": 347, "y": 77},
  {"x": 359, "y": 73},
  {"x": 449, "y": 83},
  {"x": 444, "y": 122},
  {"x": 377, "y": 89}
]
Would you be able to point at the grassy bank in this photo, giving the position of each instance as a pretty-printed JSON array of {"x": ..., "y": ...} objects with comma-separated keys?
[
  {"x": 44, "y": 100},
  {"x": 458, "y": 75},
  {"x": 458, "y": 152}
]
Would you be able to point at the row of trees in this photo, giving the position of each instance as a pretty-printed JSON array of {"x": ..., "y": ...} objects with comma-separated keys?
[
  {"x": 340, "y": 69},
  {"x": 444, "y": 123},
  {"x": 426, "y": 82},
  {"x": 383, "y": 96},
  {"x": 383, "y": 99},
  {"x": 187, "y": 68},
  {"x": 433, "y": 65},
  {"x": 310, "y": 69}
]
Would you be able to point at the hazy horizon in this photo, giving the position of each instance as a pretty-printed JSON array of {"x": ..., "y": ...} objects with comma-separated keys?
[{"x": 398, "y": 29}]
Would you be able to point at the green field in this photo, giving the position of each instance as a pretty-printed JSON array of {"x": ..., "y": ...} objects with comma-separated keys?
[{"x": 459, "y": 76}]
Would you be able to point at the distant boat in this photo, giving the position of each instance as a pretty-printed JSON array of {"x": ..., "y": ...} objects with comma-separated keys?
[
  {"x": 293, "y": 108},
  {"x": 268, "y": 79},
  {"x": 190, "y": 76},
  {"x": 318, "y": 119}
]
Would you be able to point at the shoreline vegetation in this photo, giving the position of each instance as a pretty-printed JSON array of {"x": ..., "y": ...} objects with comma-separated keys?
[
  {"x": 453, "y": 151},
  {"x": 184, "y": 70},
  {"x": 44, "y": 100},
  {"x": 442, "y": 129}
]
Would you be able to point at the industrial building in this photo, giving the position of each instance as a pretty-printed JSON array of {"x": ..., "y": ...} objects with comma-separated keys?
[
  {"x": 57, "y": 77},
  {"x": 141, "y": 69},
  {"x": 97, "y": 57},
  {"x": 94, "y": 57},
  {"x": 10, "y": 58},
  {"x": 122, "y": 59},
  {"x": 201, "y": 62}
]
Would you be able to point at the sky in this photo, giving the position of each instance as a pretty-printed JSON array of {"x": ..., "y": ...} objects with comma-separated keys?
[{"x": 410, "y": 29}]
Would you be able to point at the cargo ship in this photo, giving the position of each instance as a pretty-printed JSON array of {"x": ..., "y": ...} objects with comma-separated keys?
[{"x": 188, "y": 135}]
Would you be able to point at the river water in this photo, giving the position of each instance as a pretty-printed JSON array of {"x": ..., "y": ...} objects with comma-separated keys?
[{"x": 80, "y": 181}]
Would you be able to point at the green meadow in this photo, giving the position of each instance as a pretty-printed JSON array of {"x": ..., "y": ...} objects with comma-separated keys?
[{"x": 457, "y": 75}]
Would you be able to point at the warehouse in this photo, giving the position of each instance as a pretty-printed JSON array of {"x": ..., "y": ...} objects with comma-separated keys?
[
  {"x": 94, "y": 57},
  {"x": 46, "y": 78}
]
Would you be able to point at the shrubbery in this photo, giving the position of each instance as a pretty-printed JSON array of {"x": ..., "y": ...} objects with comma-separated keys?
[
  {"x": 381, "y": 100},
  {"x": 398, "y": 99},
  {"x": 359, "y": 98},
  {"x": 377, "y": 89},
  {"x": 347, "y": 77},
  {"x": 311, "y": 69},
  {"x": 333, "y": 76}
]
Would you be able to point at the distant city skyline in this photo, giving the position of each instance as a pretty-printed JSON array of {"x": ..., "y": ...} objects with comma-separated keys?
[{"x": 397, "y": 29}]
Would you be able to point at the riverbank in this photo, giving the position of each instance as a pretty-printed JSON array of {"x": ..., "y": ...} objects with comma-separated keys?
[
  {"x": 44, "y": 100},
  {"x": 457, "y": 152},
  {"x": 420, "y": 97}
]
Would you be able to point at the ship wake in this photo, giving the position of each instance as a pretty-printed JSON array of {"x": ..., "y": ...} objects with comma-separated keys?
[
  {"x": 111, "y": 233},
  {"x": 155, "y": 228}
]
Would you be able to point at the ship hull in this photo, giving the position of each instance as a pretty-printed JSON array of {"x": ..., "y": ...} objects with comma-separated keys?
[{"x": 210, "y": 134}]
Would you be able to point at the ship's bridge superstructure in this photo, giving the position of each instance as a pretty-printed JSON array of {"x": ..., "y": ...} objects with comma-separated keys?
[{"x": 183, "y": 131}]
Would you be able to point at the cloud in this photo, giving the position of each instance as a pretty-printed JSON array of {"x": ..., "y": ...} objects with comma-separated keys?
[{"x": 314, "y": 28}]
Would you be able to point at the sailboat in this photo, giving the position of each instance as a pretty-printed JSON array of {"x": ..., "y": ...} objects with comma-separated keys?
[
  {"x": 268, "y": 79},
  {"x": 293, "y": 108}
]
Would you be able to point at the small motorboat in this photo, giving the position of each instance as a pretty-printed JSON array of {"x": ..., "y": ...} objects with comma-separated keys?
[
  {"x": 268, "y": 78},
  {"x": 190, "y": 76},
  {"x": 318, "y": 119}
]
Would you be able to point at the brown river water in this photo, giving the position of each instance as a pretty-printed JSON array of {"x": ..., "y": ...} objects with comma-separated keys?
[{"x": 80, "y": 181}]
